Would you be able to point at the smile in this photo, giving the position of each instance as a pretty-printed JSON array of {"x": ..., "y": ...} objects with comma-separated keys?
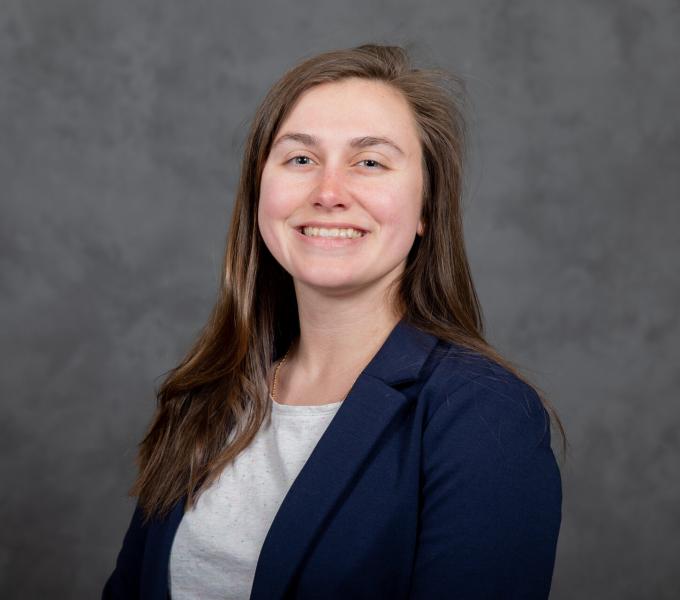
[
  {"x": 320, "y": 237},
  {"x": 335, "y": 232}
]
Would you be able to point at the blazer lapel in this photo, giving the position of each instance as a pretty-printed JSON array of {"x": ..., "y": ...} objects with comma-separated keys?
[{"x": 352, "y": 434}]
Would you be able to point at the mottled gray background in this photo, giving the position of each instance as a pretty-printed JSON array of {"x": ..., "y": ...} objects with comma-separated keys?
[{"x": 121, "y": 127}]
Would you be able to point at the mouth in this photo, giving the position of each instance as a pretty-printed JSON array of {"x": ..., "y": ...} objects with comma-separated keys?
[
  {"x": 312, "y": 238},
  {"x": 336, "y": 232}
]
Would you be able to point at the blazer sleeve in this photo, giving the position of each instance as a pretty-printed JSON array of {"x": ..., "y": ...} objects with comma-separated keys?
[
  {"x": 124, "y": 582},
  {"x": 491, "y": 496}
]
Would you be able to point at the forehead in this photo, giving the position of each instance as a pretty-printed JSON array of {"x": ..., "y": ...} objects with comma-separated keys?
[{"x": 353, "y": 107}]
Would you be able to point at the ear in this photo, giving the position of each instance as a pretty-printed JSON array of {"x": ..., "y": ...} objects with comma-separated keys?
[{"x": 421, "y": 228}]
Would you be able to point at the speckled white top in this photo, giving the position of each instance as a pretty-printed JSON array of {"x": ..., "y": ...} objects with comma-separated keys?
[{"x": 218, "y": 541}]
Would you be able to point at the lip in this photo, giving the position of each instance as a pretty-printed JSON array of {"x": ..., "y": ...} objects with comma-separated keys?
[{"x": 331, "y": 226}]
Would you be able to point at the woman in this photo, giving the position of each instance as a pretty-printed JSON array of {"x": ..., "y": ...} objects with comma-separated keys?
[{"x": 341, "y": 429}]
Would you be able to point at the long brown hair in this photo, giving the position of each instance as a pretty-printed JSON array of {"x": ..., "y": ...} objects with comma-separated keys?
[{"x": 212, "y": 404}]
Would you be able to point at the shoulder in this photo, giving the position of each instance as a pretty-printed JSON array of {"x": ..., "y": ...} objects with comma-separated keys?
[
  {"x": 491, "y": 488},
  {"x": 473, "y": 398}
]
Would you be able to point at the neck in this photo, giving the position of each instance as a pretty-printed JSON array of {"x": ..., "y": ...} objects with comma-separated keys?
[{"x": 339, "y": 335}]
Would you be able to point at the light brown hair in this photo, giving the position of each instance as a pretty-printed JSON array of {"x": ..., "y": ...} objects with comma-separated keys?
[{"x": 212, "y": 404}]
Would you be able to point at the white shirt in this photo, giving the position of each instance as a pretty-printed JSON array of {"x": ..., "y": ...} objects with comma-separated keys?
[{"x": 218, "y": 541}]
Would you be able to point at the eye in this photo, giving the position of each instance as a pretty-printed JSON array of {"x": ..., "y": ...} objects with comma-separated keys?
[
  {"x": 295, "y": 161},
  {"x": 371, "y": 164}
]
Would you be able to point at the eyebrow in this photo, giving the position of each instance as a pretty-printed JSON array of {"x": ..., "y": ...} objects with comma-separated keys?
[{"x": 359, "y": 142}]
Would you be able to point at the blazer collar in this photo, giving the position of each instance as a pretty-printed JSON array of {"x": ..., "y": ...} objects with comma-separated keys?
[
  {"x": 402, "y": 355},
  {"x": 366, "y": 412}
]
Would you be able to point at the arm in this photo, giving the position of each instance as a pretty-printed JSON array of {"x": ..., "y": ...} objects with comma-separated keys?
[
  {"x": 491, "y": 496},
  {"x": 123, "y": 583}
]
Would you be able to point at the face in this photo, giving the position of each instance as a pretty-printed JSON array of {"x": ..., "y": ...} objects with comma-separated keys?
[{"x": 347, "y": 155}]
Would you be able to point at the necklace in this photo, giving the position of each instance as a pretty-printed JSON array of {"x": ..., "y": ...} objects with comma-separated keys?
[{"x": 276, "y": 373}]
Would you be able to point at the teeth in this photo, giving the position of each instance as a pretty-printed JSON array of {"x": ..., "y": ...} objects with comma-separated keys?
[{"x": 335, "y": 232}]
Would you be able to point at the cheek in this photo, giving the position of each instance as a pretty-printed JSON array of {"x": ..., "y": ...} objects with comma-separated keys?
[
  {"x": 399, "y": 215},
  {"x": 272, "y": 201},
  {"x": 268, "y": 212},
  {"x": 401, "y": 206},
  {"x": 267, "y": 196},
  {"x": 278, "y": 193}
]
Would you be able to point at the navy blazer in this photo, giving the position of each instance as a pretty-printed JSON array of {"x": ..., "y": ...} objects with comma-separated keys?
[{"x": 435, "y": 479}]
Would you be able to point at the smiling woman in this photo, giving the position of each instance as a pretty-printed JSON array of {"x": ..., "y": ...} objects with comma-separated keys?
[
  {"x": 338, "y": 128},
  {"x": 341, "y": 428}
]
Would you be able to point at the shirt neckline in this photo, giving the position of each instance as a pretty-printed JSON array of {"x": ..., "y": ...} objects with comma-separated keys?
[{"x": 303, "y": 409}]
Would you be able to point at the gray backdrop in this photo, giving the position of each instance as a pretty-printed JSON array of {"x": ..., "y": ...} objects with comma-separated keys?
[{"x": 121, "y": 127}]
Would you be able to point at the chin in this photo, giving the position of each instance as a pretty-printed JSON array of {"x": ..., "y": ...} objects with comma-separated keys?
[{"x": 337, "y": 284}]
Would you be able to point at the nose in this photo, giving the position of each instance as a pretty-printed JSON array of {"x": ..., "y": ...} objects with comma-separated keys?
[{"x": 331, "y": 190}]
